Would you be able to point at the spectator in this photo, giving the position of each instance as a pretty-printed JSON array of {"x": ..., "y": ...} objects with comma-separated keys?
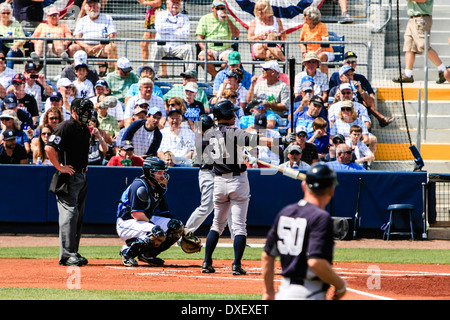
[
  {"x": 95, "y": 25},
  {"x": 309, "y": 150},
  {"x": 12, "y": 152},
  {"x": 144, "y": 134},
  {"x": 52, "y": 117},
  {"x": 178, "y": 90},
  {"x": 80, "y": 57},
  {"x": 56, "y": 101},
  {"x": 25, "y": 118},
  {"x": 180, "y": 104},
  {"x": 45, "y": 132},
  {"x": 101, "y": 88},
  {"x": 360, "y": 149},
  {"x": 217, "y": 26},
  {"x": 144, "y": 71},
  {"x": 337, "y": 140},
  {"x": 233, "y": 62},
  {"x": 302, "y": 100},
  {"x": 169, "y": 159},
  {"x": 85, "y": 88},
  {"x": 348, "y": 117},
  {"x": 258, "y": 113},
  {"x": 233, "y": 81},
  {"x": 51, "y": 29},
  {"x": 320, "y": 137},
  {"x": 294, "y": 154},
  {"x": 231, "y": 95},
  {"x": 66, "y": 89},
  {"x": 419, "y": 23},
  {"x": 145, "y": 93},
  {"x": 343, "y": 159},
  {"x": 25, "y": 100},
  {"x": 306, "y": 117},
  {"x": 10, "y": 121},
  {"x": 172, "y": 25},
  {"x": 345, "y": 17},
  {"x": 120, "y": 80},
  {"x": 194, "y": 108},
  {"x": 98, "y": 147},
  {"x": 139, "y": 113},
  {"x": 266, "y": 26},
  {"x": 106, "y": 122},
  {"x": 6, "y": 75},
  {"x": 125, "y": 157},
  {"x": 36, "y": 85},
  {"x": 176, "y": 139},
  {"x": 273, "y": 92},
  {"x": 12, "y": 28},
  {"x": 315, "y": 30},
  {"x": 311, "y": 63}
]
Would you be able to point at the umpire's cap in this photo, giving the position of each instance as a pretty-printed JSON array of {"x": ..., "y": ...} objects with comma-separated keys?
[
  {"x": 207, "y": 122},
  {"x": 224, "y": 110},
  {"x": 320, "y": 176}
]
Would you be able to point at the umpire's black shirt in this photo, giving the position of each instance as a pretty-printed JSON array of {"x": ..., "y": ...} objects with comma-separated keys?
[{"x": 71, "y": 140}]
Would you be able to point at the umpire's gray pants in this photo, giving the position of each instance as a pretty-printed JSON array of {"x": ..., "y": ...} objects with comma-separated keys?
[{"x": 71, "y": 212}]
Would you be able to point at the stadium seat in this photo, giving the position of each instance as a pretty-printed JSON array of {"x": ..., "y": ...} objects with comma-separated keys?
[
  {"x": 338, "y": 49},
  {"x": 207, "y": 88},
  {"x": 165, "y": 86}
]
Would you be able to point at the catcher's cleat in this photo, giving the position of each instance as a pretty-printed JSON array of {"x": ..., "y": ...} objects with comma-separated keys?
[
  {"x": 152, "y": 261},
  {"x": 238, "y": 270},
  {"x": 126, "y": 260},
  {"x": 207, "y": 268}
]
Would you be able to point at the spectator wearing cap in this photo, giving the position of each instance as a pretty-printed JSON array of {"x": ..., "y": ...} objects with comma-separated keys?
[
  {"x": 273, "y": 92},
  {"x": 145, "y": 93},
  {"x": 194, "y": 108},
  {"x": 307, "y": 92},
  {"x": 101, "y": 88},
  {"x": 145, "y": 134},
  {"x": 315, "y": 30},
  {"x": 177, "y": 139},
  {"x": 106, "y": 122},
  {"x": 12, "y": 152},
  {"x": 178, "y": 90},
  {"x": 85, "y": 88},
  {"x": 98, "y": 142},
  {"x": 51, "y": 28},
  {"x": 294, "y": 154},
  {"x": 12, "y": 49},
  {"x": 6, "y": 75},
  {"x": 125, "y": 157},
  {"x": 309, "y": 150},
  {"x": 35, "y": 84},
  {"x": 9, "y": 120},
  {"x": 66, "y": 88},
  {"x": 120, "y": 80},
  {"x": 95, "y": 25},
  {"x": 80, "y": 57},
  {"x": 343, "y": 160},
  {"x": 311, "y": 63},
  {"x": 144, "y": 71},
  {"x": 56, "y": 100},
  {"x": 233, "y": 62},
  {"x": 217, "y": 25},
  {"x": 363, "y": 154},
  {"x": 172, "y": 25},
  {"x": 24, "y": 100},
  {"x": 258, "y": 115},
  {"x": 346, "y": 75},
  {"x": 25, "y": 118},
  {"x": 306, "y": 117},
  {"x": 233, "y": 81},
  {"x": 51, "y": 118},
  {"x": 337, "y": 140}
]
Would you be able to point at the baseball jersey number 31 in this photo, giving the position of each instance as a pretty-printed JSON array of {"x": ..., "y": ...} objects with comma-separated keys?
[
  {"x": 219, "y": 148},
  {"x": 291, "y": 233}
]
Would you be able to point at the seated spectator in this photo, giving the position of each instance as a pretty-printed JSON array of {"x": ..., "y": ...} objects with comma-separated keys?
[
  {"x": 178, "y": 90},
  {"x": 294, "y": 154},
  {"x": 106, "y": 122},
  {"x": 194, "y": 108},
  {"x": 315, "y": 30},
  {"x": 233, "y": 81},
  {"x": 231, "y": 94},
  {"x": 363, "y": 154},
  {"x": 266, "y": 26},
  {"x": 139, "y": 113},
  {"x": 145, "y": 93},
  {"x": 311, "y": 63},
  {"x": 52, "y": 28},
  {"x": 176, "y": 139},
  {"x": 258, "y": 113},
  {"x": 144, "y": 134},
  {"x": 320, "y": 137},
  {"x": 144, "y": 71},
  {"x": 12, "y": 152},
  {"x": 120, "y": 80},
  {"x": 282, "y": 76},
  {"x": 180, "y": 104},
  {"x": 56, "y": 101},
  {"x": 125, "y": 157},
  {"x": 98, "y": 147},
  {"x": 218, "y": 25},
  {"x": 172, "y": 25},
  {"x": 233, "y": 62},
  {"x": 301, "y": 101},
  {"x": 24, "y": 100},
  {"x": 52, "y": 117},
  {"x": 6, "y": 75},
  {"x": 343, "y": 159},
  {"x": 80, "y": 57},
  {"x": 337, "y": 140},
  {"x": 85, "y": 88},
  {"x": 25, "y": 119},
  {"x": 36, "y": 85},
  {"x": 306, "y": 117},
  {"x": 10, "y": 28},
  {"x": 45, "y": 132},
  {"x": 309, "y": 150},
  {"x": 101, "y": 88},
  {"x": 169, "y": 159},
  {"x": 95, "y": 25},
  {"x": 273, "y": 92},
  {"x": 66, "y": 96},
  {"x": 10, "y": 121}
]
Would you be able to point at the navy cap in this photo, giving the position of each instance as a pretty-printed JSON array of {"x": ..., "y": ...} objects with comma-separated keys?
[
  {"x": 30, "y": 66},
  {"x": 10, "y": 100},
  {"x": 9, "y": 134},
  {"x": 101, "y": 83},
  {"x": 56, "y": 95}
]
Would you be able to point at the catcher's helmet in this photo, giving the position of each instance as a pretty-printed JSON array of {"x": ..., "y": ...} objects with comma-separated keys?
[
  {"x": 320, "y": 176},
  {"x": 207, "y": 122},
  {"x": 83, "y": 108},
  {"x": 224, "y": 110},
  {"x": 152, "y": 164}
]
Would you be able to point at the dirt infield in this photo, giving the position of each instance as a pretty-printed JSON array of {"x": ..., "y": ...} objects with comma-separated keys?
[{"x": 365, "y": 281}]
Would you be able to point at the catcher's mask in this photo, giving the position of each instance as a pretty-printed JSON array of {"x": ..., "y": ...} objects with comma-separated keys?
[
  {"x": 155, "y": 170},
  {"x": 83, "y": 108}
]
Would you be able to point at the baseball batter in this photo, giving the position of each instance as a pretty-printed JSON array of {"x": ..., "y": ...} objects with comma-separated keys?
[
  {"x": 224, "y": 146},
  {"x": 302, "y": 236}
]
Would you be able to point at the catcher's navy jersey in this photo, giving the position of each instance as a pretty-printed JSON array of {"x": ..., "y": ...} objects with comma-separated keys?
[
  {"x": 141, "y": 196},
  {"x": 301, "y": 231}
]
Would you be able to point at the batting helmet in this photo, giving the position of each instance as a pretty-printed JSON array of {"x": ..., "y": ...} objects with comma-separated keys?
[
  {"x": 83, "y": 108},
  {"x": 207, "y": 122},
  {"x": 224, "y": 110},
  {"x": 320, "y": 176},
  {"x": 152, "y": 164}
]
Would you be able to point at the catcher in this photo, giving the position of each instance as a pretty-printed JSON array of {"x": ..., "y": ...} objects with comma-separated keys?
[{"x": 144, "y": 221}]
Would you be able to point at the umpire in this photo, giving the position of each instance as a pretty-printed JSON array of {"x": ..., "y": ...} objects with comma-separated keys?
[
  {"x": 302, "y": 236},
  {"x": 68, "y": 150}
]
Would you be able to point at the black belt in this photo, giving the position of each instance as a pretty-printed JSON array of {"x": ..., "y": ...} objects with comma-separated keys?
[
  {"x": 80, "y": 170},
  {"x": 420, "y": 15},
  {"x": 234, "y": 174},
  {"x": 301, "y": 281}
]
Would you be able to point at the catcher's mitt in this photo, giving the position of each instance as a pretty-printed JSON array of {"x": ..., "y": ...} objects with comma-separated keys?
[{"x": 190, "y": 243}]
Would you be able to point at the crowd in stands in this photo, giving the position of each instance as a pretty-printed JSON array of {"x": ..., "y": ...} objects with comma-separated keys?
[{"x": 134, "y": 118}]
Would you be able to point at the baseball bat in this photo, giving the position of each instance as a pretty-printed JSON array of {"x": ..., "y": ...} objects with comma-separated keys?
[
  {"x": 291, "y": 89},
  {"x": 356, "y": 223},
  {"x": 291, "y": 173}
]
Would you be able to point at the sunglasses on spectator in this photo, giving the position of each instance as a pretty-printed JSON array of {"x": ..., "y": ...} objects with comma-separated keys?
[
  {"x": 347, "y": 92},
  {"x": 6, "y": 12},
  {"x": 143, "y": 106},
  {"x": 295, "y": 153},
  {"x": 346, "y": 152},
  {"x": 3, "y": 58},
  {"x": 231, "y": 96},
  {"x": 302, "y": 135},
  {"x": 46, "y": 133},
  {"x": 350, "y": 61},
  {"x": 346, "y": 109},
  {"x": 53, "y": 118},
  {"x": 173, "y": 104},
  {"x": 337, "y": 141},
  {"x": 55, "y": 99},
  {"x": 220, "y": 8},
  {"x": 17, "y": 83}
]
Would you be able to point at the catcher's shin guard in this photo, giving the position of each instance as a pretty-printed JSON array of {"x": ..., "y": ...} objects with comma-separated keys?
[
  {"x": 139, "y": 245},
  {"x": 175, "y": 230}
]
